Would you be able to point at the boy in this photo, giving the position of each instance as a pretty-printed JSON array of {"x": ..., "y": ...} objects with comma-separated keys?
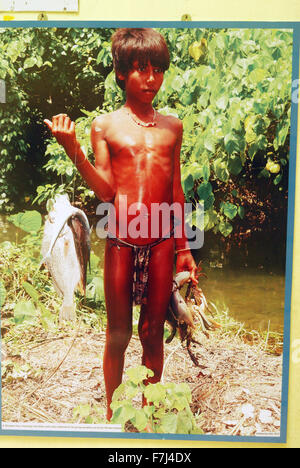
[{"x": 137, "y": 161}]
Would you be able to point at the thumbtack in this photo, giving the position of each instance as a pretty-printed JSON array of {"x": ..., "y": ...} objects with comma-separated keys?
[
  {"x": 186, "y": 17},
  {"x": 42, "y": 17}
]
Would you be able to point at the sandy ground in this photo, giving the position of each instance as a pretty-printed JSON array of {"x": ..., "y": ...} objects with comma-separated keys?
[{"x": 236, "y": 391}]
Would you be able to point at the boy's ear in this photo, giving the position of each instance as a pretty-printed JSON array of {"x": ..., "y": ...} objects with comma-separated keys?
[{"x": 120, "y": 76}]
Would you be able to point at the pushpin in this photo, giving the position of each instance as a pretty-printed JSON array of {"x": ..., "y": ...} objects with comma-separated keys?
[
  {"x": 186, "y": 17},
  {"x": 42, "y": 17}
]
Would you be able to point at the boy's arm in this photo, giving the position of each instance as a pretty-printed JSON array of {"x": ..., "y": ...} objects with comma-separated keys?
[
  {"x": 99, "y": 177},
  {"x": 185, "y": 259}
]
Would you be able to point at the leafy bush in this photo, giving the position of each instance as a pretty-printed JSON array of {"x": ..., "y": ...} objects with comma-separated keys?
[
  {"x": 168, "y": 409},
  {"x": 47, "y": 71}
]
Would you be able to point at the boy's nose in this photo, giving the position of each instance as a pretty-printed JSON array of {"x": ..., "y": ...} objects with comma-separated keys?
[{"x": 150, "y": 77}]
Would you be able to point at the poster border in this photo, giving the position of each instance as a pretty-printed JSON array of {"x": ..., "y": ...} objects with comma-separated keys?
[{"x": 295, "y": 27}]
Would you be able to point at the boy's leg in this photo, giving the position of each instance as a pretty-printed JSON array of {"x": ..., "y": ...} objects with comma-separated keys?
[
  {"x": 153, "y": 314},
  {"x": 118, "y": 274}
]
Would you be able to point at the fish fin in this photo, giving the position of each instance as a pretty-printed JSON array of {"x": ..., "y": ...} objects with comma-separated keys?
[{"x": 82, "y": 246}]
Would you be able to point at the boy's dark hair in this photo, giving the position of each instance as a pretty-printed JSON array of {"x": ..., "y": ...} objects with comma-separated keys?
[{"x": 141, "y": 44}]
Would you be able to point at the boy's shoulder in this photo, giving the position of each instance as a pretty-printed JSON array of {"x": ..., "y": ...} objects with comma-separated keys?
[
  {"x": 105, "y": 118},
  {"x": 103, "y": 121},
  {"x": 171, "y": 121}
]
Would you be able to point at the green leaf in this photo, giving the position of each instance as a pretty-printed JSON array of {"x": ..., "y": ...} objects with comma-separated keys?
[
  {"x": 95, "y": 289},
  {"x": 210, "y": 143},
  {"x": 131, "y": 390},
  {"x": 47, "y": 318},
  {"x": 177, "y": 83},
  {"x": 188, "y": 183},
  {"x": 241, "y": 212},
  {"x": 222, "y": 102},
  {"x": 25, "y": 311},
  {"x": 231, "y": 143},
  {"x": 225, "y": 228},
  {"x": 253, "y": 150},
  {"x": 206, "y": 172},
  {"x": 196, "y": 170},
  {"x": 155, "y": 393},
  {"x": 168, "y": 423},
  {"x": 277, "y": 179},
  {"x": 235, "y": 165},
  {"x": 282, "y": 132},
  {"x": 31, "y": 291},
  {"x": 210, "y": 219},
  {"x": 229, "y": 209},
  {"x": 184, "y": 423},
  {"x": 82, "y": 411},
  {"x": 204, "y": 190},
  {"x": 257, "y": 75},
  {"x": 220, "y": 167},
  {"x": 29, "y": 221},
  {"x": 119, "y": 392},
  {"x": 138, "y": 374},
  {"x": 30, "y": 62},
  {"x": 123, "y": 414},
  {"x": 140, "y": 420}
]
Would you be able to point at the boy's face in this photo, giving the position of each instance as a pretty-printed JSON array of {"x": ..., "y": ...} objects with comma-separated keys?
[{"x": 143, "y": 82}]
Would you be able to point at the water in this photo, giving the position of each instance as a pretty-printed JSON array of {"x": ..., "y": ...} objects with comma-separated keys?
[{"x": 253, "y": 296}]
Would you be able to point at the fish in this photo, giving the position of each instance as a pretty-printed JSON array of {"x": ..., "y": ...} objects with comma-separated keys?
[
  {"x": 178, "y": 312},
  {"x": 177, "y": 303},
  {"x": 184, "y": 314},
  {"x": 66, "y": 252}
]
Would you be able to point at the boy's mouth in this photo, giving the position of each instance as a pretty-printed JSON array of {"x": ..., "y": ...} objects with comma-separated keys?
[{"x": 149, "y": 91}]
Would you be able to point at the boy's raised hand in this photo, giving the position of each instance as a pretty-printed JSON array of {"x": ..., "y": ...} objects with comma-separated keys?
[{"x": 63, "y": 129}]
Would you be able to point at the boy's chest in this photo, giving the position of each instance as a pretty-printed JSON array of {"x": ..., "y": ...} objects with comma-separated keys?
[{"x": 151, "y": 142}]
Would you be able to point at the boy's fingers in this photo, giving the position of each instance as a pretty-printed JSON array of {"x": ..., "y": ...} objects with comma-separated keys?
[
  {"x": 72, "y": 127},
  {"x": 67, "y": 122},
  {"x": 48, "y": 123},
  {"x": 60, "y": 122},
  {"x": 54, "y": 123}
]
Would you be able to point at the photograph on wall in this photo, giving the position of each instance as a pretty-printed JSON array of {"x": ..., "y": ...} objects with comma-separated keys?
[{"x": 147, "y": 185}]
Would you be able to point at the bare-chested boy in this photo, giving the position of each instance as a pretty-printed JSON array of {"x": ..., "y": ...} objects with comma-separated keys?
[{"x": 137, "y": 160}]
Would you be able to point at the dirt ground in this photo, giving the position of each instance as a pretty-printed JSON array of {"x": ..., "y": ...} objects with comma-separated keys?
[{"x": 236, "y": 391}]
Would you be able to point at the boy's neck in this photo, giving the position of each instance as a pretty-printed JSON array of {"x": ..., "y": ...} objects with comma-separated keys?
[{"x": 140, "y": 109}]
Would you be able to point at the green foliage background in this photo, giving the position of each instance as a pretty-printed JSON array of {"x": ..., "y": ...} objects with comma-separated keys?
[{"x": 230, "y": 87}]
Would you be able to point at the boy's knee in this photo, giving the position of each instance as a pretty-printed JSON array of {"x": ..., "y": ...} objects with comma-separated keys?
[
  {"x": 119, "y": 340},
  {"x": 151, "y": 334}
]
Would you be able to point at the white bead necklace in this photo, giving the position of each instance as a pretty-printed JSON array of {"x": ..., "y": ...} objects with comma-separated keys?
[{"x": 139, "y": 122}]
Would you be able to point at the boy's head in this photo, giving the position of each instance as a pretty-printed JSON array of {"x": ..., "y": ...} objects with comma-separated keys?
[{"x": 139, "y": 44}]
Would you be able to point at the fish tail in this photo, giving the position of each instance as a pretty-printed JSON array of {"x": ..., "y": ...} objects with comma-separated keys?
[{"x": 67, "y": 313}]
